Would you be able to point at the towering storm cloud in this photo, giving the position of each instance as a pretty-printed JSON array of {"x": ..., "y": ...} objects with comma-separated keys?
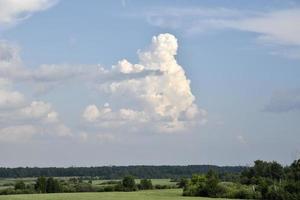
[{"x": 163, "y": 99}]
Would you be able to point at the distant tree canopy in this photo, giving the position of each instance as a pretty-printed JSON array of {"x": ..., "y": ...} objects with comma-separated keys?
[{"x": 118, "y": 172}]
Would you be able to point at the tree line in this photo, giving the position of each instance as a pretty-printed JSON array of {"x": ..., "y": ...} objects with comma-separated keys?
[
  {"x": 63, "y": 185},
  {"x": 265, "y": 180},
  {"x": 117, "y": 172}
]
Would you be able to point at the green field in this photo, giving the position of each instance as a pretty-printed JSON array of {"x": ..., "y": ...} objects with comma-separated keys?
[{"x": 173, "y": 194}]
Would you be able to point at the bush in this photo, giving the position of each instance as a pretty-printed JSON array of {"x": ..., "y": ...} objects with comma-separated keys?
[
  {"x": 145, "y": 184},
  {"x": 109, "y": 188},
  {"x": 275, "y": 194},
  {"x": 207, "y": 186},
  {"x": 99, "y": 189},
  {"x": 68, "y": 188},
  {"x": 182, "y": 183},
  {"x": 7, "y": 191},
  {"x": 20, "y": 185},
  {"x": 10, "y": 191},
  {"x": 84, "y": 187},
  {"x": 112, "y": 182},
  {"x": 128, "y": 184},
  {"x": 53, "y": 185},
  {"x": 160, "y": 187}
]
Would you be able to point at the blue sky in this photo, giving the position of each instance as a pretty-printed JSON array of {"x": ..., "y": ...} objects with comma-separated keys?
[{"x": 110, "y": 81}]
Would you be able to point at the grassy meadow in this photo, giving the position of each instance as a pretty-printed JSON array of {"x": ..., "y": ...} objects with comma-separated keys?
[
  {"x": 172, "y": 194},
  {"x": 165, "y": 194}
]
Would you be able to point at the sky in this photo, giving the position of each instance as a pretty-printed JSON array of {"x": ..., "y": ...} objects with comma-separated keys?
[{"x": 128, "y": 82}]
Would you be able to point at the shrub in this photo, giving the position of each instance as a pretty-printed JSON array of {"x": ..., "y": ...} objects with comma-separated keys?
[
  {"x": 20, "y": 185},
  {"x": 112, "y": 182},
  {"x": 109, "y": 188},
  {"x": 182, "y": 183},
  {"x": 145, "y": 184},
  {"x": 84, "y": 187},
  {"x": 128, "y": 183},
  {"x": 160, "y": 187}
]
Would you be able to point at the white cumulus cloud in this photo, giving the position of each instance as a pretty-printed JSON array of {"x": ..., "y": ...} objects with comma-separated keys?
[
  {"x": 22, "y": 118},
  {"x": 10, "y": 99},
  {"x": 165, "y": 99}
]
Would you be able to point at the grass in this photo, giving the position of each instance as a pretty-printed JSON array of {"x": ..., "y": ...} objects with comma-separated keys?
[{"x": 173, "y": 194}]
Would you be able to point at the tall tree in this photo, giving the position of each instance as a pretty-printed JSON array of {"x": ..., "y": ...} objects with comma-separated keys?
[
  {"x": 40, "y": 185},
  {"x": 128, "y": 183}
]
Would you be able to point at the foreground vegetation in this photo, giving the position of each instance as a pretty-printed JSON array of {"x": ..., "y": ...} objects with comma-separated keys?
[
  {"x": 173, "y": 194},
  {"x": 78, "y": 184},
  {"x": 265, "y": 180}
]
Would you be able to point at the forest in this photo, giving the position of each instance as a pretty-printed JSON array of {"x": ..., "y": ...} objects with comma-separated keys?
[{"x": 117, "y": 172}]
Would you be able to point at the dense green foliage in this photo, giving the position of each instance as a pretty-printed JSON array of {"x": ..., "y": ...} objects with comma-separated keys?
[
  {"x": 262, "y": 169},
  {"x": 265, "y": 180},
  {"x": 117, "y": 172},
  {"x": 209, "y": 186},
  {"x": 145, "y": 184},
  {"x": 40, "y": 185},
  {"x": 128, "y": 184},
  {"x": 274, "y": 181},
  {"x": 79, "y": 184},
  {"x": 20, "y": 185}
]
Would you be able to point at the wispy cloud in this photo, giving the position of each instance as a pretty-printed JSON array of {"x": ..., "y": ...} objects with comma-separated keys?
[
  {"x": 241, "y": 139},
  {"x": 20, "y": 117},
  {"x": 280, "y": 28},
  {"x": 14, "y": 11},
  {"x": 284, "y": 101}
]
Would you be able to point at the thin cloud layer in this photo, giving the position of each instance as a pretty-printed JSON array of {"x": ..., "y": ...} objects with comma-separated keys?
[
  {"x": 284, "y": 101},
  {"x": 13, "y": 11},
  {"x": 280, "y": 28},
  {"x": 21, "y": 118},
  {"x": 165, "y": 100}
]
